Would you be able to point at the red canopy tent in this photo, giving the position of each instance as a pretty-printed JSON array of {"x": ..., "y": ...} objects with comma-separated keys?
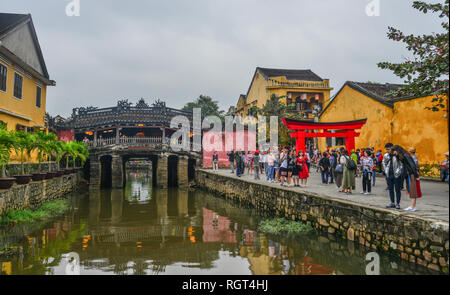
[{"x": 348, "y": 131}]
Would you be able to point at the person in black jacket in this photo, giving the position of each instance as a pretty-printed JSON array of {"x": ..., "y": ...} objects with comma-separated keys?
[
  {"x": 411, "y": 173},
  {"x": 325, "y": 168},
  {"x": 231, "y": 160}
]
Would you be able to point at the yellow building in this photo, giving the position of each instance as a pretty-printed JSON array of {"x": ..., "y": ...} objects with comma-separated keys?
[
  {"x": 23, "y": 74},
  {"x": 302, "y": 87},
  {"x": 403, "y": 121}
]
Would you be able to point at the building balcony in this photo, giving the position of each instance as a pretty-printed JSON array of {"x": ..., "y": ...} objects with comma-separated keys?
[{"x": 325, "y": 84}]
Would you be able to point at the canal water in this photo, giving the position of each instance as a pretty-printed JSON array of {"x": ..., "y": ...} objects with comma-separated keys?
[{"x": 141, "y": 230}]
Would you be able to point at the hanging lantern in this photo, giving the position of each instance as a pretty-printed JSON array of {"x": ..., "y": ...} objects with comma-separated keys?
[{"x": 290, "y": 95}]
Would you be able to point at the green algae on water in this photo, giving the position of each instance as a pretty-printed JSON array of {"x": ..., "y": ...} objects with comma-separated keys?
[{"x": 283, "y": 227}]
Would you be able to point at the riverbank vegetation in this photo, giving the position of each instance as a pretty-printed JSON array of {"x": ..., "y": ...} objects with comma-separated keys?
[
  {"x": 283, "y": 227},
  {"x": 47, "y": 210}
]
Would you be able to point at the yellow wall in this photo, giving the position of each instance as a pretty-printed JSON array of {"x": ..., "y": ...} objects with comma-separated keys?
[
  {"x": 352, "y": 105},
  {"x": 426, "y": 131},
  {"x": 407, "y": 124},
  {"x": 258, "y": 91},
  {"x": 25, "y": 106}
]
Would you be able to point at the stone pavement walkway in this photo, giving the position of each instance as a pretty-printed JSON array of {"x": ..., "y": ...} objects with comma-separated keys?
[{"x": 433, "y": 204}]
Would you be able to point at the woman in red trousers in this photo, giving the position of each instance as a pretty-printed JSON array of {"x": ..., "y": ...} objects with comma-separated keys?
[{"x": 303, "y": 172}]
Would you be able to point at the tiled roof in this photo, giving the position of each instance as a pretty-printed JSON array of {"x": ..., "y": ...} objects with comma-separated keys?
[
  {"x": 376, "y": 90},
  {"x": 10, "y": 20},
  {"x": 301, "y": 75}
]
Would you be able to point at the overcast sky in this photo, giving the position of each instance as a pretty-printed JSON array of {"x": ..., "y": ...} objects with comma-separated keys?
[{"x": 177, "y": 50}]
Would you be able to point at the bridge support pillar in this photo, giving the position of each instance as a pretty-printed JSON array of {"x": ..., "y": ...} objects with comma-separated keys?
[
  {"x": 117, "y": 172},
  {"x": 95, "y": 174},
  {"x": 162, "y": 172},
  {"x": 183, "y": 180}
]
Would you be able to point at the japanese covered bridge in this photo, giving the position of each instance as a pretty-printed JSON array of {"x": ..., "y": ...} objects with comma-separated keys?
[{"x": 125, "y": 132}]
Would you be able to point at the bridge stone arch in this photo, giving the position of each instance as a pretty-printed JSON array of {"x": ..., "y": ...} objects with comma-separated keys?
[{"x": 169, "y": 168}]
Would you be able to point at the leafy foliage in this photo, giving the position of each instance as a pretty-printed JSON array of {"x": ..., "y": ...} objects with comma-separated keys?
[
  {"x": 283, "y": 227},
  {"x": 427, "y": 73},
  {"x": 274, "y": 107},
  {"x": 6, "y": 144},
  {"x": 209, "y": 107},
  {"x": 45, "y": 145}
]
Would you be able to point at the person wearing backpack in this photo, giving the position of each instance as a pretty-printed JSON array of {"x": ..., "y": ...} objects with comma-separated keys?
[{"x": 349, "y": 174}]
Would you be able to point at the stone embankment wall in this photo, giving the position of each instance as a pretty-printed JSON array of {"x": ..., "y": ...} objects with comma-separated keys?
[
  {"x": 32, "y": 195},
  {"x": 415, "y": 239}
]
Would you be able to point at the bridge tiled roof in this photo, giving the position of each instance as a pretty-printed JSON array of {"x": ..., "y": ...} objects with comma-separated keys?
[{"x": 128, "y": 116}]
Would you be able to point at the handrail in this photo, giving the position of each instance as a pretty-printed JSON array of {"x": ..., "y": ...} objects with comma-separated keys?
[{"x": 142, "y": 141}]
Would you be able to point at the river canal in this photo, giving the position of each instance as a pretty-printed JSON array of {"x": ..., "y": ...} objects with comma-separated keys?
[{"x": 141, "y": 230}]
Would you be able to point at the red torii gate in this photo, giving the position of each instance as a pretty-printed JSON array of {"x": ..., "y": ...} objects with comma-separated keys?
[{"x": 300, "y": 126}]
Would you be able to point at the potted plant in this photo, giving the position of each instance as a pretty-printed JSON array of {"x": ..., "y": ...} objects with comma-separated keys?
[
  {"x": 6, "y": 142},
  {"x": 58, "y": 149},
  {"x": 49, "y": 149},
  {"x": 22, "y": 147},
  {"x": 80, "y": 151},
  {"x": 68, "y": 151},
  {"x": 39, "y": 143}
]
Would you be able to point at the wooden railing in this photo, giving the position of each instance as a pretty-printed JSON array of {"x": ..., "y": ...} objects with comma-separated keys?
[
  {"x": 300, "y": 84},
  {"x": 141, "y": 141}
]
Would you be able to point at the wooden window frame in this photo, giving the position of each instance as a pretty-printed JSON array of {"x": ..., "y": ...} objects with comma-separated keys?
[
  {"x": 6, "y": 77},
  {"x": 21, "y": 86},
  {"x": 40, "y": 96}
]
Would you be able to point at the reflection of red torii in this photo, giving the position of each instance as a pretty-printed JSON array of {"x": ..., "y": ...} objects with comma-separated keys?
[{"x": 300, "y": 126}]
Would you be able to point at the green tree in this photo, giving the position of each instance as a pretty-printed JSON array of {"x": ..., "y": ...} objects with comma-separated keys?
[
  {"x": 6, "y": 144},
  {"x": 274, "y": 107},
  {"x": 23, "y": 146},
  {"x": 209, "y": 106},
  {"x": 41, "y": 143},
  {"x": 427, "y": 72}
]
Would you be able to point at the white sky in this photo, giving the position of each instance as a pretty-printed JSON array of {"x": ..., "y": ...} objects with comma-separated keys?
[{"x": 176, "y": 50}]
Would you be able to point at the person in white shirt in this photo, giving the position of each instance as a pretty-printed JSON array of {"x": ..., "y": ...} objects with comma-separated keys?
[
  {"x": 263, "y": 162},
  {"x": 283, "y": 165}
]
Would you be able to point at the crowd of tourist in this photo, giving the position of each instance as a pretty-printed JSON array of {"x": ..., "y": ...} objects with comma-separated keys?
[{"x": 289, "y": 167}]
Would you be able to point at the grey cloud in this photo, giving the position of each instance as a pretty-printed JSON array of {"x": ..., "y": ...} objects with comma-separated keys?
[{"x": 176, "y": 50}]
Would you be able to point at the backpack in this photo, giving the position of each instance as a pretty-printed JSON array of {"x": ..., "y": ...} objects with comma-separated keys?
[{"x": 350, "y": 164}]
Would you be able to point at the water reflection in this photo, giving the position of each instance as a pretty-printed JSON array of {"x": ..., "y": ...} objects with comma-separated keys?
[{"x": 140, "y": 230}]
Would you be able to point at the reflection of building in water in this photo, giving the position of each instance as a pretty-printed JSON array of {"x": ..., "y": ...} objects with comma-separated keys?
[
  {"x": 306, "y": 267},
  {"x": 217, "y": 228},
  {"x": 140, "y": 188},
  {"x": 267, "y": 257}
]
